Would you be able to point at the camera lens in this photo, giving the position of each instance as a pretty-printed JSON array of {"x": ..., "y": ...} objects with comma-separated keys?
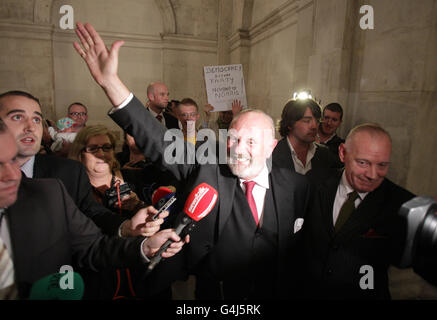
[{"x": 427, "y": 234}]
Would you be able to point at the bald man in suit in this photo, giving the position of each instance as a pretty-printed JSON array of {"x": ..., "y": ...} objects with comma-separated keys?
[
  {"x": 348, "y": 251},
  {"x": 249, "y": 245}
]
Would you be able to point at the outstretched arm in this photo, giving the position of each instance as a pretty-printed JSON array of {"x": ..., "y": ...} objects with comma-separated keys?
[
  {"x": 134, "y": 119},
  {"x": 102, "y": 63}
]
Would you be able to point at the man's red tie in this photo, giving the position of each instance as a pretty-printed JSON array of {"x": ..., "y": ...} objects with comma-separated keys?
[
  {"x": 159, "y": 118},
  {"x": 249, "y": 196}
]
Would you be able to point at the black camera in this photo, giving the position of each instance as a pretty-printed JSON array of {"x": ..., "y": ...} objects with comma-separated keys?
[
  {"x": 111, "y": 194},
  {"x": 421, "y": 244}
]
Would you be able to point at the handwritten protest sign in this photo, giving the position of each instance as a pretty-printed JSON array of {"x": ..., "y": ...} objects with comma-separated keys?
[{"x": 224, "y": 84}]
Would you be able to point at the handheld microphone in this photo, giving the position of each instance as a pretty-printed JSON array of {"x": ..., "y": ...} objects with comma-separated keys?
[
  {"x": 50, "y": 288},
  {"x": 162, "y": 192},
  {"x": 198, "y": 205},
  {"x": 163, "y": 199}
]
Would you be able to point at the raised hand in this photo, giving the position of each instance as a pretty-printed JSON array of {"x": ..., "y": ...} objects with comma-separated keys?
[
  {"x": 236, "y": 107},
  {"x": 102, "y": 63}
]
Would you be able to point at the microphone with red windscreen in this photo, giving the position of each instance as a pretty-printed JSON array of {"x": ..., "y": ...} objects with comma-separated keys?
[
  {"x": 198, "y": 205},
  {"x": 161, "y": 193},
  {"x": 163, "y": 199}
]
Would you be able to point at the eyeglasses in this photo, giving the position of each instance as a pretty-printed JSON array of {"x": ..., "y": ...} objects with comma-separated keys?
[
  {"x": 94, "y": 148},
  {"x": 77, "y": 114},
  {"x": 189, "y": 115}
]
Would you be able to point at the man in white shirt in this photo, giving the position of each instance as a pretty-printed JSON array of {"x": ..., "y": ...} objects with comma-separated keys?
[
  {"x": 298, "y": 150},
  {"x": 354, "y": 223},
  {"x": 157, "y": 95}
]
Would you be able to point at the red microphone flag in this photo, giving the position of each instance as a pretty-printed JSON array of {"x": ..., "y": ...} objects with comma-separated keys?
[{"x": 200, "y": 201}]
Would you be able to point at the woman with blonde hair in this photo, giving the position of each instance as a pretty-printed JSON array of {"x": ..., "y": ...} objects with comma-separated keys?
[
  {"x": 115, "y": 189},
  {"x": 94, "y": 147}
]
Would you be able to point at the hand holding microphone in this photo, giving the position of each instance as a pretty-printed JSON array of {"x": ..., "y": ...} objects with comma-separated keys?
[
  {"x": 156, "y": 242},
  {"x": 143, "y": 223},
  {"x": 198, "y": 205},
  {"x": 147, "y": 221}
]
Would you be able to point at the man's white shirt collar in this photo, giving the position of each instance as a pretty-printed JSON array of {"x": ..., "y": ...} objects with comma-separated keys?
[
  {"x": 298, "y": 165},
  {"x": 345, "y": 188},
  {"x": 332, "y": 136},
  {"x": 262, "y": 179},
  {"x": 154, "y": 114},
  {"x": 27, "y": 167}
]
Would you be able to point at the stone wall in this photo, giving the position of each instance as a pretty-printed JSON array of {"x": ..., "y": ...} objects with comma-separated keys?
[
  {"x": 385, "y": 75},
  {"x": 165, "y": 40}
]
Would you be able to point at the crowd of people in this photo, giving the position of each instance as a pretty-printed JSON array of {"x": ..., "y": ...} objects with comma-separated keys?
[{"x": 295, "y": 218}]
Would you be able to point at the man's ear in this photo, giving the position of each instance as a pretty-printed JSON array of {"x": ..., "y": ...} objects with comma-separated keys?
[
  {"x": 150, "y": 96},
  {"x": 274, "y": 143},
  {"x": 342, "y": 151},
  {"x": 271, "y": 147}
]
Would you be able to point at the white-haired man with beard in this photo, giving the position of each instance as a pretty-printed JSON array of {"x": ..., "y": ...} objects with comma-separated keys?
[{"x": 248, "y": 247}]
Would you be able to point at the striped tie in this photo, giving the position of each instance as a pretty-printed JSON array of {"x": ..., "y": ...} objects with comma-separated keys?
[{"x": 7, "y": 286}]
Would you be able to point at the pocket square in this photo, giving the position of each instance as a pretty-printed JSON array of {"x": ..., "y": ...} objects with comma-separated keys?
[
  {"x": 371, "y": 233},
  {"x": 298, "y": 224}
]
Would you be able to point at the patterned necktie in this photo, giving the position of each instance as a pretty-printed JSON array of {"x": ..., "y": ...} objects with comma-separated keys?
[
  {"x": 250, "y": 199},
  {"x": 159, "y": 118},
  {"x": 346, "y": 210},
  {"x": 8, "y": 289}
]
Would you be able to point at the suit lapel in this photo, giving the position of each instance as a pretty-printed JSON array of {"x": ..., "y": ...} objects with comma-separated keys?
[
  {"x": 316, "y": 162},
  {"x": 23, "y": 232},
  {"x": 227, "y": 183},
  {"x": 39, "y": 167},
  {"x": 285, "y": 215},
  {"x": 282, "y": 156},
  {"x": 327, "y": 194}
]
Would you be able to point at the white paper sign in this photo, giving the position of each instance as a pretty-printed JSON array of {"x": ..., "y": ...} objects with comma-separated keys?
[{"x": 225, "y": 84}]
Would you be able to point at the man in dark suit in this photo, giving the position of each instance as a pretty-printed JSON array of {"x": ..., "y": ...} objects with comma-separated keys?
[
  {"x": 354, "y": 232},
  {"x": 42, "y": 229},
  {"x": 157, "y": 94},
  {"x": 22, "y": 113},
  {"x": 248, "y": 246},
  {"x": 298, "y": 151}
]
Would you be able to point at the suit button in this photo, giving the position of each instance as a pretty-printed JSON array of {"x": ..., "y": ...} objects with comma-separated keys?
[{"x": 329, "y": 272}]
